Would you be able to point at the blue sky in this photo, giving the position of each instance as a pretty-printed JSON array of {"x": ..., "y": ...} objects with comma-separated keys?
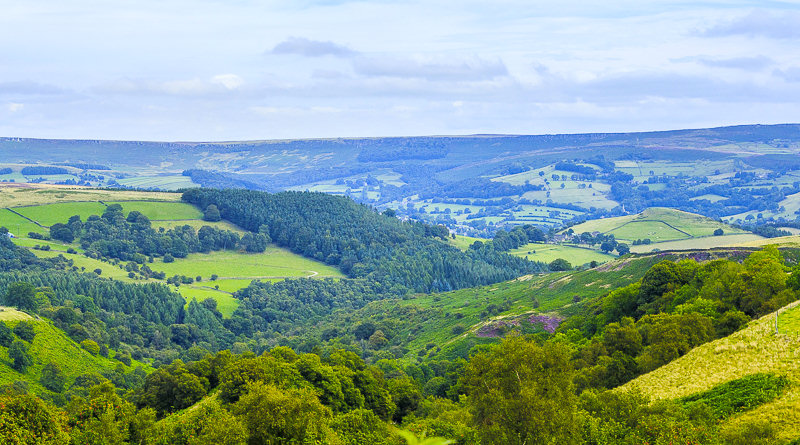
[{"x": 240, "y": 69}]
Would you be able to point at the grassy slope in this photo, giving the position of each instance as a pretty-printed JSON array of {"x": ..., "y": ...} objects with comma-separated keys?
[
  {"x": 50, "y": 345},
  {"x": 752, "y": 350},
  {"x": 549, "y": 252},
  {"x": 431, "y": 318},
  {"x": 14, "y": 195}
]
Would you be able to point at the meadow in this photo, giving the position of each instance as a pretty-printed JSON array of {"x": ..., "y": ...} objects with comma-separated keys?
[
  {"x": 549, "y": 252},
  {"x": 706, "y": 242},
  {"x": 16, "y": 195},
  {"x": 167, "y": 182}
]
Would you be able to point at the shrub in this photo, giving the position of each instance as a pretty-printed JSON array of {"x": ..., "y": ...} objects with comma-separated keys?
[
  {"x": 6, "y": 337},
  {"x": 20, "y": 357},
  {"x": 91, "y": 346},
  {"x": 740, "y": 395},
  {"x": 24, "y": 330}
]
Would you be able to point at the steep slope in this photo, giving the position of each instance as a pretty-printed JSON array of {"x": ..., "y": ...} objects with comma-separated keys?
[{"x": 755, "y": 349}]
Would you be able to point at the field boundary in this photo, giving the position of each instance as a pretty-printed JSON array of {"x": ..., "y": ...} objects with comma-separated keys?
[
  {"x": 651, "y": 220},
  {"x": 23, "y": 216}
]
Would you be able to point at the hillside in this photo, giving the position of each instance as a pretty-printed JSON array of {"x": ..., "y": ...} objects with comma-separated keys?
[
  {"x": 34, "y": 208},
  {"x": 755, "y": 349},
  {"x": 52, "y": 345},
  {"x": 667, "y": 229}
]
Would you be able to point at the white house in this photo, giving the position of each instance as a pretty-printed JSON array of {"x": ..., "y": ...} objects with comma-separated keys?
[{"x": 10, "y": 235}]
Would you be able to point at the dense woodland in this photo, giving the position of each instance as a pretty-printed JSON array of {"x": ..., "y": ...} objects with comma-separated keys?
[{"x": 362, "y": 242}]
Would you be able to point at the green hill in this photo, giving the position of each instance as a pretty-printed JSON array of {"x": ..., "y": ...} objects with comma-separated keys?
[
  {"x": 50, "y": 345},
  {"x": 755, "y": 349}
]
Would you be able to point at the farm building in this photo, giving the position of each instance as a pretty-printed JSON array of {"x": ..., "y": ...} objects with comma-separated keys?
[{"x": 10, "y": 235}]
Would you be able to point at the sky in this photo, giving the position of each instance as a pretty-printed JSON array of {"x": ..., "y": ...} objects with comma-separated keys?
[{"x": 214, "y": 70}]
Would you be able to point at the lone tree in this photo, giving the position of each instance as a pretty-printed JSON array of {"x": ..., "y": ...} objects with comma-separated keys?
[
  {"x": 559, "y": 264},
  {"x": 22, "y": 296},
  {"x": 719, "y": 232},
  {"x": 623, "y": 249},
  {"x": 212, "y": 213},
  {"x": 21, "y": 358}
]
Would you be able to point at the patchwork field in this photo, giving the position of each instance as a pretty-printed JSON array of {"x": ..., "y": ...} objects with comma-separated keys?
[
  {"x": 235, "y": 269},
  {"x": 657, "y": 224},
  {"x": 549, "y": 252},
  {"x": 706, "y": 242}
]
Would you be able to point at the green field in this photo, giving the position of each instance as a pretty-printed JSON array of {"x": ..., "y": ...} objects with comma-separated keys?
[
  {"x": 50, "y": 214},
  {"x": 18, "y": 225},
  {"x": 549, "y": 252},
  {"x": 197, "y": 224},
  {"x": 161, "y": 210},
  {"x": 789, "y": 321},
  {"x": 706, "y": 242},
  {"x": 226, "y": 304},
  {"x": 463, "y": 242},
  {"x": 17, "y": 195},
  {"x": 658, "y": 224},
  {"x": 275, "y": 262}
]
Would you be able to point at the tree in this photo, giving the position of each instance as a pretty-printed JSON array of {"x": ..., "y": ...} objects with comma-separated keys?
[
  {"x": 25, "y": 331},
  {"x": 21, "y": 358},
  {"x": 608, "y": 246},
  {"x": 559, "y": 264},
  {"x": 62, "y": 233},
  {"x": 28, "y": 420},
  {"x": 212, "y": 214},
  {"x": 6, "y": 336},
  {"x": 522, "y": 393},
  {"x": 274, "y": 416},
  {"x": 22, "y": 296},
  {"x": 719, "y": 232},
  {"x": 53, "y": 377},
  {"x": 623, "y": 249}
]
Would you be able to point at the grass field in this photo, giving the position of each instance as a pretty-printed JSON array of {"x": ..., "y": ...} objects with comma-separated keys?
[
  {"x": 18, "y": 225},
  {"x": 50, "y": 214},
  {"x": 89, "y": 264},
  {"x": 161, "y": 210},
  {"x": 16, "y": 195},
  {"x": 706, "y": 242},
  {"x": 11, "y": 314},
  {"x": 274, "y": 263},
  {"x": 463, "y": 242},
  {"x": 755, "y": 349},
  {"x": 658, "y": 224},
  {"x": 197, "y": 224},
  {"x": 226, "y": 304},
  {"x": 549, "y": 252}
]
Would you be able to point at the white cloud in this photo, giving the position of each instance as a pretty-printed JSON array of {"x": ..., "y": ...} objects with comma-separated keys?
[
  {"x": 229, "y": 81},
  {"x": 14, "y": 107},
  {"x": 440, "y": 68}
]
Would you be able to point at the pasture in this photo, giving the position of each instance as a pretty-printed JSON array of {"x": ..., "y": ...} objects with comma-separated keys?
[
  {"x": 546, "y": 253},
  {"x": 17, "y": 195},
  {"x": 275, "y": 262},
  {"x": 706, "y": 242}
]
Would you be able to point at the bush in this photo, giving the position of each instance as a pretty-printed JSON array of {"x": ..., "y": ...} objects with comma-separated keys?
[
  {"x": 53, "y": 377},
  {"x": 91, "y": 346},
  {"x": 6, "y": 337},
  {"x": 458, "y": 329},
  {"x": 740, "y": 395},
  {"x": 25, "y": 331},
  {"x": 20, "y": 357},
  {"x": 560, "y": 264},
  {"x": 719, "y": 232},
  {"x": 169, "y": 258}
]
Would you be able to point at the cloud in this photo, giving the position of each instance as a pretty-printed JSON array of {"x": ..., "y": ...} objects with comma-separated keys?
[
  {"x": 311, "y": 48},
  {"x": 434, "y": 69},
  {"x": 229, "y": 81},
  {"x": 791, "y": 74},
  {"x": 29, "y": 88},
  {"x": 759, "y": 23},
  {"x": 221, "y": 83},
  {"x": 754, "y": 63},
  {"x": 13, "y": 107}
]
